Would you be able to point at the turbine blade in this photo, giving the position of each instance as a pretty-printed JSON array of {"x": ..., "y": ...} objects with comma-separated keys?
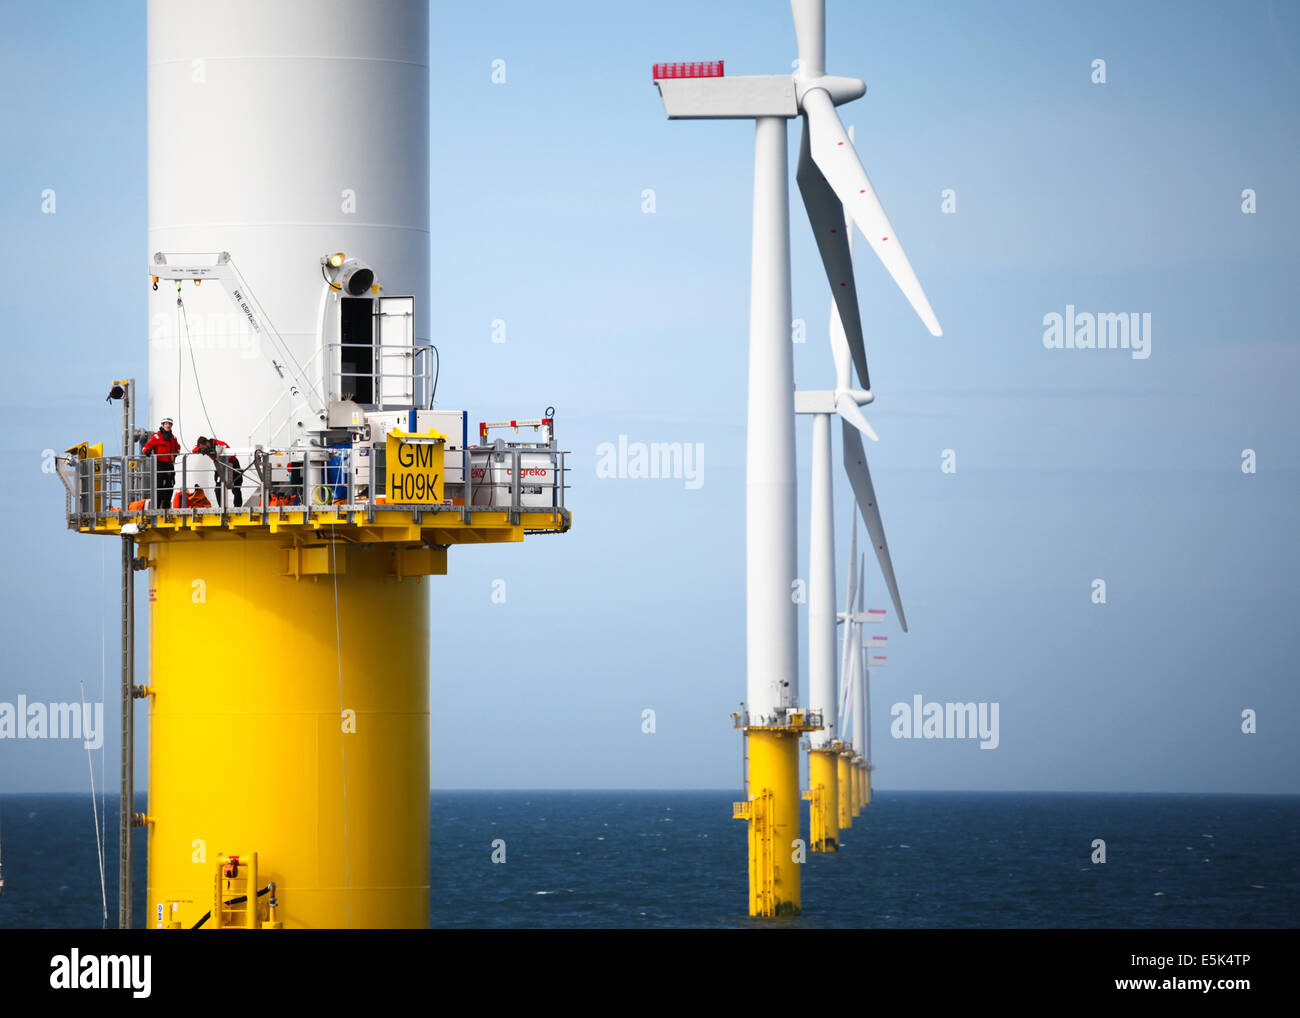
[
  {"x": 833, "y": 152},
  {"x": 826, "y": 214},
  {"x": 810, "y": 30},
  {"x": 850, "y": 667},
  {"x": 855, "y": 463},
  {"x": 853, "y": 569},
  {"x": 842, "y": 717},
  {"x": 866, "y": 707},
  {"x": 847, "y": 407},
  {"x": 849, "y": 601}
]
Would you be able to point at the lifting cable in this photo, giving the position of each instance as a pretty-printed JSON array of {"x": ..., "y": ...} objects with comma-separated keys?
[
  {"x": 189, "y": 342},
  {"x": 94, "y": 808},
  {"x": 176, "y": 428}
]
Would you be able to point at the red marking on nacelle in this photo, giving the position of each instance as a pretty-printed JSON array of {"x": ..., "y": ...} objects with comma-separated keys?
[{"x": 693, "y": 69}]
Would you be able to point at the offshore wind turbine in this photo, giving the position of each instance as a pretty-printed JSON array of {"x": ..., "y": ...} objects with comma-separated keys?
[
  {"x": 863, "y": 714},
  {"x": 854, "y": 713},
  {"x": 844, "y": 746},
  {"x": 856, "y": 704},
  {"x": 844, "y": 402},
  {"x": 829, "y": 170}
]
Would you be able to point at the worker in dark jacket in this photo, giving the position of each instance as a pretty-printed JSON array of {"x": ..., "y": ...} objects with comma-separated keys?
[
  {"x": 162, "y": 444},
  {"x": 227, "y": 469}
]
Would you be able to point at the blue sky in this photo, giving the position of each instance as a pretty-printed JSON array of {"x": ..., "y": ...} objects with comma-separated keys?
[{"x": 1071, "y": 464}]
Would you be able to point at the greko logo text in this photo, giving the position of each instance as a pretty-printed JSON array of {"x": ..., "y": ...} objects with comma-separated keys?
[{"x": 544, "y": 472}]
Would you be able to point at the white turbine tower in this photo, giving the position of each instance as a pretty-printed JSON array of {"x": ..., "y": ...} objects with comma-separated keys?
[{"x": 829, "y": 170}]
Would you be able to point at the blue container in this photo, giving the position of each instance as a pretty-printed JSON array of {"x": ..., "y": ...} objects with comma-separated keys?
[{"x": 336, "y": 471}]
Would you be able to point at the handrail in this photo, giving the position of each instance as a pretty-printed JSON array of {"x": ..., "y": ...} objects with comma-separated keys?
[
  {"x": 419, "y": 376},
  {"x": 794, "y": 718},
  {"x": 504, "y": 477}
]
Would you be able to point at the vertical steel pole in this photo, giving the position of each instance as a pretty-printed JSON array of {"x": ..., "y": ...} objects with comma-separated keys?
[{"x": 126, "y": 855}]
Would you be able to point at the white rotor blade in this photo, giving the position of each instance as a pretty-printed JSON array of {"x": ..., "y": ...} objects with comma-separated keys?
[
  {"x": 855, "y": 463},
  {"x": 842, "y": 718},
  {"x": 810, "y": 30},
  {"x": 846, "y": 687},
  {"x": 826, "y": 214},
  {"x": 847, "y": 407},
  {"x": 841, "y": 355},
  {"x": 833, "y": 152},
  {"x": 853, "y": 569},
  {"x": 866, "y": 707},
  {"x": 849, "y": 602},
  {"x": 856, "y": 656}
]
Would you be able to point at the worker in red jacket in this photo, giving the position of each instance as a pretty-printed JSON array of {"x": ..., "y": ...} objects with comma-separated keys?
[
  {"x": 227, "y": 468},
  {"x": 162, "y": 444}
]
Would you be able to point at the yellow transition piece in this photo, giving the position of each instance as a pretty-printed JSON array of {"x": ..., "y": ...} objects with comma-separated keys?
[
  {"x": 289, "y": 715},
  {"x": 844, "y": 770},
  {"x": 824, "y": 815},
  {"x": 774, "y": 816}
]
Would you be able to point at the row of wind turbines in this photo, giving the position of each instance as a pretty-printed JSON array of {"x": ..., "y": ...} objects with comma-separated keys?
[{"x": 837, "y": 195}]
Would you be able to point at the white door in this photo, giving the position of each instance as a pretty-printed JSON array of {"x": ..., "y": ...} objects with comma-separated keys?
[{"x": 395, "y": 342}]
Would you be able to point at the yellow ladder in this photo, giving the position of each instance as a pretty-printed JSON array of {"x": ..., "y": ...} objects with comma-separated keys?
[
  {"x": 762, "y": 856},
  {"x": 817, "y": 817}
]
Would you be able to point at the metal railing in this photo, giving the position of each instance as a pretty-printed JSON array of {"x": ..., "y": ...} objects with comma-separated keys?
[
  {"x": 503, "y": 477},
  {"x": 794, "y": 718},
  {"x": 412, "y": 382}
]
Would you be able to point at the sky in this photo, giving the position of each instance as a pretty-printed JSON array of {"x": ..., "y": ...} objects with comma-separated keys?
[{"x": 615, "y": 245}]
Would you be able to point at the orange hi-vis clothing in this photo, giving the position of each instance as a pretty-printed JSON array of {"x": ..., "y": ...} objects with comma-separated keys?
[
  {"x": 162, "y": 445},
  {"x": 195, "y": 499}
]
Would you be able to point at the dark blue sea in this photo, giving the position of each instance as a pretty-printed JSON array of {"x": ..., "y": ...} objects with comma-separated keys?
[{"x": 677, "y": 859}]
